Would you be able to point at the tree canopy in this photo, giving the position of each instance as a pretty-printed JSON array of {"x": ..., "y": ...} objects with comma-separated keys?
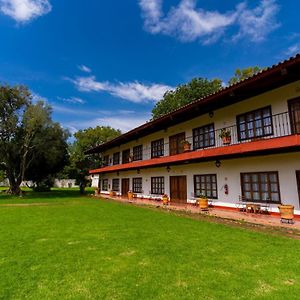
[
  {"x": 241, "y": 74},
  {"x": 185, "y": 94},
  {"x": 28, "y": 137}
]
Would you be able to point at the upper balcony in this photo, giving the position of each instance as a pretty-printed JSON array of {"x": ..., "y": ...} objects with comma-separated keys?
[{"x": 256, "y": 135}]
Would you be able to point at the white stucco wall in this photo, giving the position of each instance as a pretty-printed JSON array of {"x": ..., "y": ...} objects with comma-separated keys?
[{"x": 228, "y": 173}]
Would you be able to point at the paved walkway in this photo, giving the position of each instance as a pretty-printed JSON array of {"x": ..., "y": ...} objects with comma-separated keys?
[{"x": 231, "y": 214}]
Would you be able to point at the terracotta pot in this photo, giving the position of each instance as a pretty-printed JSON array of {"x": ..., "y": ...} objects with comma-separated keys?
[
  {"x": 226, "y": 140},
  {"x": 286, "y": 212},
  {"x": 203, "y": 203},
  {"x": 165, "y": 200},
  {"x": 186, "y": 147},
  {"x": 130, "y": 195},
  {"x": 112, "y": 193}
]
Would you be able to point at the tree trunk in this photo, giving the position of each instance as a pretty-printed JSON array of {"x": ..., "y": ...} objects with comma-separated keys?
[{"x": 14, "y": 185}]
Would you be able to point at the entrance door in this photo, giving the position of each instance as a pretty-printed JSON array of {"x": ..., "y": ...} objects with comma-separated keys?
[
  {"x": 178, "y": 189},
  {"x": 125, "y": 187},
  {"x": 294, "y": 111},
  {"x": 175, "y": 143},
  {"x": 298, "y": 184}
]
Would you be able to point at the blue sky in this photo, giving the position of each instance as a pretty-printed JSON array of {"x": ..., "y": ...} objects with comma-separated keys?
[{"x": 108, "y": 62}]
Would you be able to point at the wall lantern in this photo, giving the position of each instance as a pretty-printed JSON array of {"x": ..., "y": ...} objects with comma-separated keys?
[
  {"x": 168, "y": 169},
  {"x": 138, "y": 171},
  {"x": 218, "y": 164},
  {"x": 211, "y": 114}
]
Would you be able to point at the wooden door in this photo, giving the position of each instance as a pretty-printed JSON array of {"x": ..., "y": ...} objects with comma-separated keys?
[
  {"x": 125, "y": 156},
  {"x": 294, "y": 112},
  {"x": 125, "y": 187},
  {"x": 175, "y": 143},
  {"x": 298, "y": 184},
  {"x": 178, "y": 189}
]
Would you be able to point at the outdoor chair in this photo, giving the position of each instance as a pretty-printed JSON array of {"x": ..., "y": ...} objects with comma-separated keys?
[{"x": 241, "y": 204}]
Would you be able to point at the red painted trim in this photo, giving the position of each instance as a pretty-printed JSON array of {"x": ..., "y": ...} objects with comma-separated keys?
[{"x": 207, "y": 154}]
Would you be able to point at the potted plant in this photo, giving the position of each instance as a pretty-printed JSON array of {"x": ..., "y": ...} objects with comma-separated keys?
[
  {"x": 130, "y": 195},
  {"x": 165, "y": 199},
  {"x": 225, "y": 135},
  {"x": 203, "y": 202},
  {"x": 186, "y": 145},
  {"x": 286, "y": 212},
  {"x": 112, "y": 193},
  {"x": 97, "y": 191}
]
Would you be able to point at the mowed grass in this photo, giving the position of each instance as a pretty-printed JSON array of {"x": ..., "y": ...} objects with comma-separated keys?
[{"x": 71, "y": 247}]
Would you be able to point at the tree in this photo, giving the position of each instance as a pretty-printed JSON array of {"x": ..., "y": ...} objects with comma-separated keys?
[
  {"x": 185, "y": 94},
  {"x": 24, "y": 129},
  {"x": 80, "y": 164},
  {"x": 241, "y": 74}
]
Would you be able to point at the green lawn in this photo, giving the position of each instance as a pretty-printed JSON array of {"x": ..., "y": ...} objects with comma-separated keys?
[{"x": 71, "y": 247}]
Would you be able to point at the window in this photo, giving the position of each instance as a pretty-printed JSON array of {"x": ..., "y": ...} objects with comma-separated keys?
[
  {"x": 105, "y": 160},
  {"x": 116, "y": 158},
  {"x": 157, "y": 185},
  {"x": 138, "y": 152},
  {"x": 105, "y": 185},
  {"x": 204, "y": 136},
  {"x": 125, "y": 156},
  {"x": 137, "y": 185},
  {"x": 115, "y": 184},
  {"x": 175, "y": 143},
  {"x": 206, "y": 185},
  {"x": 157, "y": 148},
  {"x": 261, "y": 186},
  {"x": 257, "y": 123}
]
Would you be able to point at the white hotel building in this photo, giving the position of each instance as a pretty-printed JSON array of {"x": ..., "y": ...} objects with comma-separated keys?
[{"x": 260, "y": 161}]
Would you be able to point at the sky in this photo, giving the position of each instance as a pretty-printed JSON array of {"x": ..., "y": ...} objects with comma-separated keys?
[{"x": 108, "y": 62}]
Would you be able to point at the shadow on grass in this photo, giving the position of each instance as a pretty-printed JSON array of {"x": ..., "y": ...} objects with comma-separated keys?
[{"x": 55, "y": 193}]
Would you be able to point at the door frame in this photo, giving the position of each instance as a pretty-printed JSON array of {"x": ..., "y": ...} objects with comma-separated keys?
[
  {"x": 178, "y": 178},
  {"x": 176, "y": 139},
  {"x": 123, "y": 181},
  {"x": 291, "y": 115}
]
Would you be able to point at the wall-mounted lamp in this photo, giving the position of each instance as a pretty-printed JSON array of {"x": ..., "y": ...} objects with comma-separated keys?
[
  {"x": 218, "y": 164},
  {"x": 118, "y": 173},
  {"x": 138, "y": 171},
  {"x": 168, "y": 168},
  {"x": 211, "y": 114}
]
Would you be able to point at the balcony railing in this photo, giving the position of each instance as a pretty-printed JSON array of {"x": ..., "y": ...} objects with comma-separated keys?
[{"x": 268, "y": 127}]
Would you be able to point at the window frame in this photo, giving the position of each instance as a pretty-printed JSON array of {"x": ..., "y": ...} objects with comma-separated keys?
[
  {"x": 105, "y": 160},
  {"x": 263, "y": 128},
  {"x": 113, "y": 188},
  {"x": 157, "y": 148},
  {"x": 158, "y": 185},
  {"x": 137, "y": 185},
  {"x": 260, "y": 190},
  {"x": 211, "y": 182},
  {"x": 137, "y": 153},
  {"x": 116, "y": 161},
  {"x": 211, "y": 144},
  {"x": 104, "y": 186},
  {"x": 126, "y": 156}
]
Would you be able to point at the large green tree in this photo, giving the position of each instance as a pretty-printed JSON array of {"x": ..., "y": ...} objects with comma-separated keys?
[
  {"x": 241, "y": 74},
  {"x": 80, "y": 164},
  {"x": 185, "y": 94},
  {"x": 24, "y": 133}
]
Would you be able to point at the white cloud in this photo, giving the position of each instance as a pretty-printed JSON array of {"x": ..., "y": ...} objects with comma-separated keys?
[
  {"x": 84, "y": 68},
  {"x": 132, "y": 91},
  {"x": 187, "y": 23},
  {"x": 25, "y": 10},
  {"x": 293, "y": 50},
  {"x": 74, "y": 100}
]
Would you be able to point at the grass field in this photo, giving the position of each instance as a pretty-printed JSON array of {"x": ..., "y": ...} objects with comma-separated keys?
[{"x": 62, "y": 246}]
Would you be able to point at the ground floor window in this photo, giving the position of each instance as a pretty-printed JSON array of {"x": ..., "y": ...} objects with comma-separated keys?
[
  {"x": 105, "y": 185},
  {"x": 137, "y": 185},
  {"x": 260, "y": 186},
  {"x": 116, "y": 184},
  {"x": 206, "y": 185},
  {"x": 157, "y": 185}
]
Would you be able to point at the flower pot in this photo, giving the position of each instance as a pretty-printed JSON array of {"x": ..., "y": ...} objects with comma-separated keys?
[
  {"x": 226, "y": 140},
  {"x": 186, "y": 147},
  {"x": 165, "y": 200},
  {"x": 112, "y": 193},
  {"x": 203, "y": 203},
  {"x": 286, "y": 212},
  {"x": 130, "y": 195}
]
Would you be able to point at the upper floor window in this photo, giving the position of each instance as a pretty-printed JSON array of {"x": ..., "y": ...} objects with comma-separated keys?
[
  {"x": 206, "y": 185},
  {"x": 175, "y": 143},
  {"x": 157, "y": 148},
  {"x": 204, "y": 136},
  {"x": 116, "y": 184},
  {"x": 105, "y": 160},
  {"x": 137, "y": 152},
  {"x": 257, "y": 123},
  {"x": 116, "y": 158},
  {"x": 261, "y": 186},
  {"x": 157, "y": 185},
  {"x": 137, "y": 185},
  {"x": 105, "y": 185},
  {"x": 125, "y": 156}
]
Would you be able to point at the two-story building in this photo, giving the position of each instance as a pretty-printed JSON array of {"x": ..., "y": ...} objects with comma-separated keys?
[{"x": 244, "y": 143}]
